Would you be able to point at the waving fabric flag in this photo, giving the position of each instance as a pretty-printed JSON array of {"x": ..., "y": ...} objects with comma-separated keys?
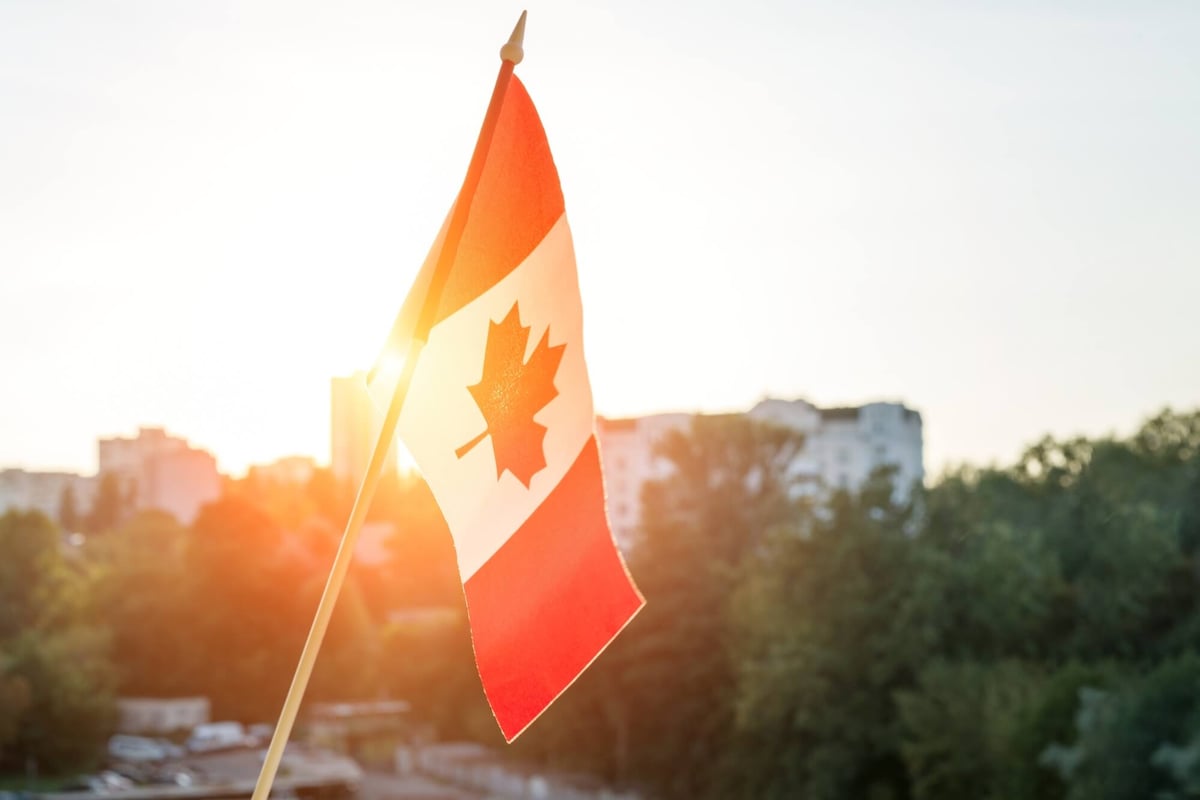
[{"x": 499, "y": 419}]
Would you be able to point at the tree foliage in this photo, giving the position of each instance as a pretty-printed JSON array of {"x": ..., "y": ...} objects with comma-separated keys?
[
  {"x": 941, "y": 649},
  {"x": 1031, "y": 631},
  {"x": 111, "y": 506},
  {"x": 56, "y": 687},
  {"x": 150, "y": 608}
]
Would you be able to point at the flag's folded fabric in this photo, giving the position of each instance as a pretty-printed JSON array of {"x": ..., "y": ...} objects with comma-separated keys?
[{"x": 499, "y": 419}]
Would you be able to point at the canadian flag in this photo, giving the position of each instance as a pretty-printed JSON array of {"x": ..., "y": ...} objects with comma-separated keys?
[{"x": 499, "y": 419}]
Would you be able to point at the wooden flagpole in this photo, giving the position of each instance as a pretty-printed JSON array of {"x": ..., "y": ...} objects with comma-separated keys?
[{"x": 510, "y": 54}]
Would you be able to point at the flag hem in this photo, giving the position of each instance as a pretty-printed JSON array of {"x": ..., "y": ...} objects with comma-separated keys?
[{"x": 583, "y": 669}]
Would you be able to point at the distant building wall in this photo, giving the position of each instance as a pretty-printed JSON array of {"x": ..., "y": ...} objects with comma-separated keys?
[
  {"x": 287, "y": 471},
  {"x": 355, "y": 421},
  {"x": 156, "y": 470},
  {"x": 43, "y": 491},
  {"x": 183, "y": 482},
  {"x": 141, "y": 715},
  {"x": 842, "y": 447},
  {"x": 628, "y": 461},
  {"x": 162, "y": 472}
]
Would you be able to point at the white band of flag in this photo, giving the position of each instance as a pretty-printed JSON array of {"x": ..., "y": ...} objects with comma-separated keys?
[{"x": 499, "y": 418}]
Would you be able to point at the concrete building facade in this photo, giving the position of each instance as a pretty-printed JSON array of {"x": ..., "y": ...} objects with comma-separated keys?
[
  {"x": 154, "y": 715},
  {"x": 286, "y": 471},
  {"x": 355, "y": 421},
  {"x": 43, "y": 491},
  {"x": 162, "y": 472},
  {"x": 842, "y": 447}
]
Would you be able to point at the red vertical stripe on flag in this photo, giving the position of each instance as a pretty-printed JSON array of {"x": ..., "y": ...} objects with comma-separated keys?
[
  {"x": 516, "y": 203},
  {"x": 550, "y": 599}
]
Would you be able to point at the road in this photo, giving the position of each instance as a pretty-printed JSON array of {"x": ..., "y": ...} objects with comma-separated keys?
[
  {"x": 385, "y": 786},
  {"x": 373, "y": 786}
]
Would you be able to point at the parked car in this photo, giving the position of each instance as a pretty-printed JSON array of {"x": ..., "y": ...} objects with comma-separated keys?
[
  {"x": 218, "y": 736},
  {"x": 107, "y": 781},
  {"x": 178, "y": 775},
  {"x": 135, "y": 748}
]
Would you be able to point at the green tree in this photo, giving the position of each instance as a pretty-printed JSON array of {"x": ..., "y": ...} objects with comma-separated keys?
[
  {"x": 422, "y": 570},
  {"x": 1170, "y": 437},
  {"x": 258, "y": 586},
  {"x": 829, "y": 626},
  {"x": 349, "y": 665},
  {"x": 68, "y": 510},
  {"x": 71, "y": 708},
  {"x": 56, "y": 698},
  {"x": 960, "y": 728},
  {"x": 14, "y": 702},
  {"x": 257, "y": 597},
  {"x": 331, "y": 498},
  {"x": 1052, "y": 719},
  {"x": 657, "y": 708},
  {"x": 35, "y": 587},
  {"x": 730, "y": 486},
  {"x": 138, "y": 588},
  {"x": 1120, "y": 731},
  {"x": 110, "y": 505},
  {"x": 441, "y": 683}
]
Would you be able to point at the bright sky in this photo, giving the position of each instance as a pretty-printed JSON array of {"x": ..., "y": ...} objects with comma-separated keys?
[{"x": 988, "y": 210}]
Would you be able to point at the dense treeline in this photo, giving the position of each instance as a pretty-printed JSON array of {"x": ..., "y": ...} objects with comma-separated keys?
[
  {"x": 148, "y": 608},
  {"x": 1025, "y": 632},
  {"x": 1029, "y": 632},
  {"x": 56, "y": 676}
]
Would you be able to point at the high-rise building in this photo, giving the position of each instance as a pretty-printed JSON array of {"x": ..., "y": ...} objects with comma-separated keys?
[
  {"x": 842, "y": 447},
  {"x": 355, "y": 421},
  {"x": 163, "y": 472},
  {"x": 628, "y": 460}
]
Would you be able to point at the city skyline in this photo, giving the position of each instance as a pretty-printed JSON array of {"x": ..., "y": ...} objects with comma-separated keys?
[
  {"x": 363, "y": 431},
  {"x": 985, "y": 212}
]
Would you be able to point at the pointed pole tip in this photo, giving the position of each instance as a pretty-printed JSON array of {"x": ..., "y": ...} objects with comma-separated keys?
[{"x": 514, "y": 50}]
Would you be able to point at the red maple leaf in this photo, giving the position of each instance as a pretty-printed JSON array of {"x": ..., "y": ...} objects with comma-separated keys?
[{"x": 510, "y": 392}]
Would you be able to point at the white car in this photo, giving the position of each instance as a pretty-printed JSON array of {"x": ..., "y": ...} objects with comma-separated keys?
[
  {"x": 217, "y": 736},
  {"x": 135, "y": 748},
  {"x": 107, "y": 781}
]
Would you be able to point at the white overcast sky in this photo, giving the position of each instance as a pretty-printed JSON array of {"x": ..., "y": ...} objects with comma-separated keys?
[{"x": 988, "y": 210}]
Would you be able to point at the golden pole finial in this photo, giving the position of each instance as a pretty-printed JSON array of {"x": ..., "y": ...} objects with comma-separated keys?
[{"x": 514, "y": 51}]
